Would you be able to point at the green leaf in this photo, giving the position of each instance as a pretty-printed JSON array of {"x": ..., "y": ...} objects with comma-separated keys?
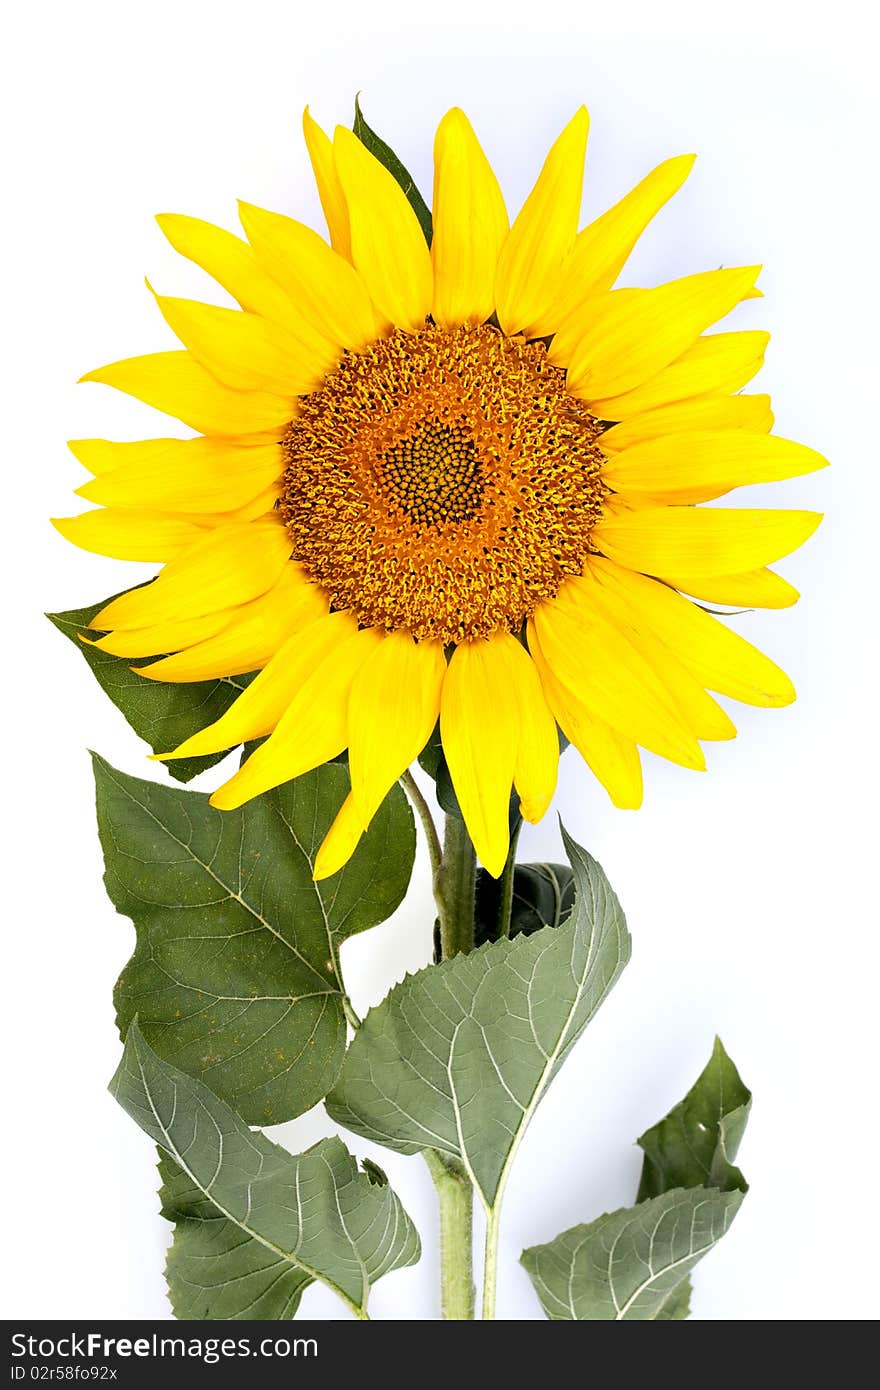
[
  {"x": 388, "y": 159},
  {"x": 677, "y": 1305},
  {"x": 630, "y": 1264},
  {"x": 458, "y": 1056},
  {"x": 214, "y": 1269},
  {"x": 543, "y": 896},
  {"x": 162, "y": 714},
  {"x": 696, "y": 1143},
  {"x": 308, "y": 1216},
  {"x": 636, "y": 1263},
  {"x": 235, "y": 974}
]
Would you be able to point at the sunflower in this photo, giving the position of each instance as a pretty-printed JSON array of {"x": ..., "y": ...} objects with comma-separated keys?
[{"x": 461, "y": 482}]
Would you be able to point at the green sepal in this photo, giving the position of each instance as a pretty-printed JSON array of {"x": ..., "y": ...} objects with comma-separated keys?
[
  {"x": 389, "y": 160},
  {"x": 543, "y": 896},
  {"x": 431, "y": 754},
  {"x": 160, "y": 712}
]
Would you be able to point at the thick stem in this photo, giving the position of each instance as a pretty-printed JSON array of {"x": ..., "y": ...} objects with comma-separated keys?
[
  {"x": 454, "y": 885},
  {"x": 454, "y": 872},
  {"x": 456, "y": 1198},
  {"x": 454, "y": 881},
  {"x": 490, "y": 1269}
]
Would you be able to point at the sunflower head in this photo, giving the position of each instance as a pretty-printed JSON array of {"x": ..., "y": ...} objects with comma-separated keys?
[
  {"x": 442, "y": 482},
  {"x": 461, "y": 481}
]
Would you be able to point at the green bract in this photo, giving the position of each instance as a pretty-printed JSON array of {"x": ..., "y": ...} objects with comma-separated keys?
[{"x": 162, "y": 714}]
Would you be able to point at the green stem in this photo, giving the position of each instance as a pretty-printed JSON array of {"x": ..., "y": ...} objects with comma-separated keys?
[
  {"x": 454, "y": 874},
  {"x": 490, "y": 1268},
  {"x": 454, "y": 885},
  {"x": 506, "y": 900},
  {"x": 351, "y": 1017},
  {"x": 456, "y": 1198},
  {"x": 423, "y": 811}
]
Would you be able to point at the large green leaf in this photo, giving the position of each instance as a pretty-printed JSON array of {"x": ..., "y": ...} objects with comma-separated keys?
[
  {"x": 388, "y": 159},
  {"x": 696, "y": 1143},
  {"x": 214, "y": 1268},
  {"x": 457, "y": 1057},
  {"x": 291, "y": 1217},
  {"x": 635, "y": 1263},
  {"x": 677, "y": 1306},
  {"x": 630, "y": 1265},
  {"x": 236, "y": 972},
  {"x": 162, "y": 714}
]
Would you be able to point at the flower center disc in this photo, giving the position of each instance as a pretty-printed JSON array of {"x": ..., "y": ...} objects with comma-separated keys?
[{"x": 443, "y": 482}]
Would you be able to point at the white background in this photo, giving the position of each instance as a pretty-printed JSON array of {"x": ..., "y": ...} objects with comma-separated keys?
[{"x": 750, "y": 891}]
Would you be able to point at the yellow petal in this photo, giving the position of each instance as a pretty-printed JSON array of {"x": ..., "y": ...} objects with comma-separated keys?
[
  {"x": 567, "y": 340},
  {"x": 245, "y": 351},
  {"x": 320, "y": 148},
  {"x": 331, "y": 295},
  {"x": 718, "y": 362},
  {"x": 96, "y": 455},
  {"x": 470, "y": 225},
  {"x": 163, "y": 637},
  {"x": 695, "y": 708},
  {"x": 225, "y": 567},
  {"x": 181, "y": 475},
  {"x": 394, "y": 705},
  {"x": 701, "y": 541},
  {"x": 613, "y": 759},
  {"x": 340, "y": 842},
  {"x": 233, "y": 264},
  {"x": 312, "y": 730},
  {"x": 387, "y": 245},
  {"x": 259, "y": 508},
  {"x": 633, "y": 337},
  {"x": 712, "y": 412},
  {"x": 175, "y": 383},
  {"x": 602, "y": 249},
  {"x": 479, "y": 727},
  {"x": 531, "y": 259},
  {"x": 254, "y": 635},
  {"x": 755, "y": 589},
  {"x": 537, "y": 750},
  {"x": 597, "y": 663},
  {"x": 717, "y": 656},
  {"x": 262, "y": 704},
  {"x": 700, "y": 465},
  {"x": 129, "y": 535}
]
